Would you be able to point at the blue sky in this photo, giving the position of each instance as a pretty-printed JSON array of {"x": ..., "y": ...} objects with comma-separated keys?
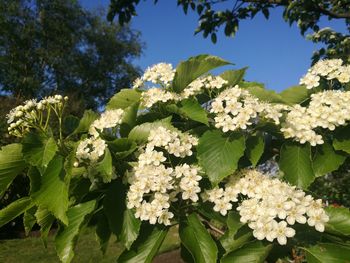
[{"x": 276, "y": 54}]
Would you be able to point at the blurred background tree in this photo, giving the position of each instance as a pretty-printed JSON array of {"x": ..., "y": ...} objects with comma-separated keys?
[{"x": 227, "y": 14}]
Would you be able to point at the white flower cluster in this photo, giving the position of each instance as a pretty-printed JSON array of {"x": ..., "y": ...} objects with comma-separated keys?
[
  {"x": 90, "y": 150},
  {"x": 208, "y": 82},
  {"x": 161, "y": 73},
  {"x": 156, "y": 182},
  {"x": 271, "y": 207},
  {"x": 328, "y": 69},
  {"x": 327, "y": 110},
  {"x": 31, "y": 114},
  {"x": 154, "y": 95},
  {"x": 236, "y": 108},
  {"x": 108, "y": 119}
]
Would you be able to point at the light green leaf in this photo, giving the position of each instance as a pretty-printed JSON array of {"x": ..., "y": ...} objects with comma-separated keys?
[
  {"x": 14, "y": 209},
  {"x": 234, "y": 76},
  {"x": 146, "y": 246},
  {"x": 233, "y": 242},
  {"x": 193, "y": 68},
  {"x": 38, "y": 150},
  {"x": 339, "y": 220},
  {"x": 295, "y": 94},
  {"x": 53, "y": 193},
  {"x": 264, "y": 94},
  {"x": 11, "y": 164},
  {"x": 255, "y": 148},
  {"x": 141, "y": 132},
  {"x": 342, "y": 139},
  {"x": 104, "y": 168},
  {"x": 45, "y": 220},
  {"x": 327, "y": 160},
  {"x": 88, "y": 118},
  {"x": 29, "y": 220},
  {"x": 254, "y": 252},
  {"x": 129, "y": 119},
  {"x": 194, "y": 111},
  {"x": 327, "y": 253},
  {"x": 295, "y": 162},
  {"x": 67, "y": 236},
  {"x": 130, "y": 228},
  {"x": 195, "y": 237},
  {"x": 121, "y": 148},
  {"x": 219, "y": 153},
  {"x": 123, "y": 99}
]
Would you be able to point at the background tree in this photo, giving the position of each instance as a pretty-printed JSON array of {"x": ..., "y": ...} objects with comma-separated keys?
[
  {"x": 57, "y": 46},
  {"x": 212, "y": 15}
]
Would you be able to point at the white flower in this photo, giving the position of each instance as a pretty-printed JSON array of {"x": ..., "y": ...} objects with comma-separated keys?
[{"x": 108, "y": 119}]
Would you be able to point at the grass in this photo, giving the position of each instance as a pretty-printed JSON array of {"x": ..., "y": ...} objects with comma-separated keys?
[{"x": 31, "y": 249}]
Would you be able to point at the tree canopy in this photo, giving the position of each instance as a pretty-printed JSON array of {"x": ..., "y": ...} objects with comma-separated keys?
[
  {"x": 215, "y": 14},
  {"x": 51, "y": 46}
]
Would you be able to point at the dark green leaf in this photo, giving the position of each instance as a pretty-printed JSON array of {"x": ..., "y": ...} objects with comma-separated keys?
[
  {"x": 123, "y": 99},
  {"x": 219, "y": 153},
  {"x": 121, "y": 148},
  {"x": 70, "y": 124},
  {"x": 255, "y": 148},
  {"x": 67, "y": 236},
  {"x": 194, "y": 111},
  {"x": 327, "y": 160},
  {"x": 146, "y": 246},
  {"x": 195, "y": 237},
  {"x": 339, "y": 220},
  {"x": 29, "y": 220},
  {"x": 103, "y": 232},
  {"x": 104, "y": 168},
  {"x": 53, "y": 193},
  {"x": 14, "y": 209},
  {"x": 254, "y": 252},
  {"x": 342, "y": 139},
  {"x": 231, "y": 242},
  {"x": 193, "y": 68},
  {"x": 327, "y": 253},
  {"x": 88, "y": 118},
  {"x": 45, "y": 220},
  {"x": 130, "y": 229},
  {"x": 11, "y": 164},
  {"x": 295, "y": 162}
]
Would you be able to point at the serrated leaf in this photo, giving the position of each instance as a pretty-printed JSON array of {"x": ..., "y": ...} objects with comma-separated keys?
[
  {"x": 88, "y": 118},
  {"x": 141, "y": 132},
  {"x": 327, "y": 253},
  {"x": 130, "y": 228},
  {"x": 194, "y": 111},
  {"x": 219, "y": 153},
  {"x": 53, "y": 193},
  {"x": 45, "y": 220},
  {"x": 295, "y": 162},
  {"x": 123, "y": 99},
  {"x": 146, "y": 246},
  {"x": 66, "y": 236},
  {"x": 11, "y": 164},
  {"x": 327, "y": 160},
  {"x": 193, "y": 68},
  {"x": 255, "y": 148},
  {"x": 234, "y": 76},
  {"x": 14, "y": 209},
  {"x": 339, "y": 220},
  {"x": 38, "y": 150},
  {"x": 29, "y": 220},
  {"x": 342, "y": 139},
  {"x": 254, "y": 252},
  {"x": 195, "y": 237},
  {"x": 295, "y": 94}
]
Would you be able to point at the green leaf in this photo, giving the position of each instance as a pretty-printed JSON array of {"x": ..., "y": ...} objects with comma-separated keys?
[
  {"x": 327, "y": 253},
  {"x": 14, "y": 209},
  {"x": 342, "y": 139},
  {"x": 29, "y": 220},
  {"x": 130, "y": 228},
  {"x": 141, "y": 132},
  {"x": 70, "y": 123},
  {"x": 88, "y": 118},
  {"x": 265, "y": 95},
  {"x": 103, "y": 232},
  {"x": 339, "y": 220},
  {"x": 195, "y": 237},
  {"x": 129, "y": 119},
  {"x": 233, "y": 222},
  {"x": 234, "y": 76},
  {"x": 45, "y": 220},
  {"x": 295, "y": 94},
  {"x": 295, "y": 162},
  {"x": 104, "y": 168},
  {"x": 38, "y": 150},
  {"x": 193, "y": 68},
  {"x": 123, "y": 99},
  {"x": 327, "y": 160},
  {"x": 219, "y": 153},
  {"x": 67, "y": 236},
  {"x": 255, "y": 148},
  {"x": 254, "y": 252},
  {"x": 231, "y": 242},
  {"x": 11, "y": 164},
  {"x": 121, "y": 148},
  {"x": 53, "y": 193},
  {"x": 194, "y": 111},
  {"x": 146, "y": 246}
]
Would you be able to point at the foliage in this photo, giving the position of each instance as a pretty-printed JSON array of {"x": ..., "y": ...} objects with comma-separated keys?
[
  {"x": 227, "y": 14},
  {"x": 185, "y": 156},
  {"x": 57, "y": 46}
]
